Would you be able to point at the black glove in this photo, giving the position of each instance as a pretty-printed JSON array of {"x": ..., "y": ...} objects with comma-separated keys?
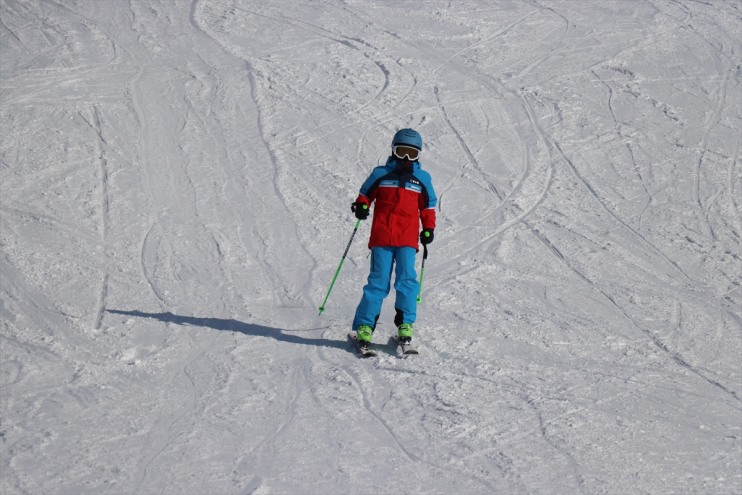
[
  {"x": 427, "y": 236},
  {"x": 360, "y": 209}
]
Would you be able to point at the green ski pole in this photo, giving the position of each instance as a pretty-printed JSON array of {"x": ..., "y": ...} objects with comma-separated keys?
[
  {"x": 322, "y": 308},
  {"x": 422, "y": 270}
]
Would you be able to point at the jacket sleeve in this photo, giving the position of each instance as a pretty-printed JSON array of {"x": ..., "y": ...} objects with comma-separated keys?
[
  {"x": 428, "y": 202},
  {"x": 367, "y": 193}
]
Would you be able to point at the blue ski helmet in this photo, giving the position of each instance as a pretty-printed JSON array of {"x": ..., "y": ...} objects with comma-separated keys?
[{"x": 409, "y": 137}]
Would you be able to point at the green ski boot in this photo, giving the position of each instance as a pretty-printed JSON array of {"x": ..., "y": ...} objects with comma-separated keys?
[
  {"x": 404, "y": 332},
  {"x": 364, "y": 334}
]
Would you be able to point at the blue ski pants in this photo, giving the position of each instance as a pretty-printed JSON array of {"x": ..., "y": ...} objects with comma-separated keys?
[{"x": 383, "y": 260}]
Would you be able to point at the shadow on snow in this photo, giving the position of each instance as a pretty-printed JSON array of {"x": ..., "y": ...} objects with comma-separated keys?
[{"x": 231, "y": 325}]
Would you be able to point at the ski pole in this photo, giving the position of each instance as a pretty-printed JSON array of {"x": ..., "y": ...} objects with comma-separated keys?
[
  {"x": 322, "y": 308},
  {"x": 422, "y": 270}
]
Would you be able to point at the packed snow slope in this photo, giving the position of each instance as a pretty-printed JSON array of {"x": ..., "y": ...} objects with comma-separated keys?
[{"x": 176, "y": 182}]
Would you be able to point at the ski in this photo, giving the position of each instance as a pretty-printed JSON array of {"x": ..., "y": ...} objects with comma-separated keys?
[
  {"x": 363, "y": 351},
  {"x": 404, "y": 348}
]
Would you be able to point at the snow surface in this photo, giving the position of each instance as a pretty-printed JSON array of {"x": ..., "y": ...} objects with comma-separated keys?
[{"x": 176, "y": 181}]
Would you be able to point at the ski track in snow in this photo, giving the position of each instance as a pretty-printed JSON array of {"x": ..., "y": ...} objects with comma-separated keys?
[{"x": 175, "y": 200}]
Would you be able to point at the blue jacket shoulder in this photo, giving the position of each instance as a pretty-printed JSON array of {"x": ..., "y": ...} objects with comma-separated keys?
[{"x": 424, "y": 177}]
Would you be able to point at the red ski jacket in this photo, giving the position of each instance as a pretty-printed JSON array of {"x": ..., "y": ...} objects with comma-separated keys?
[{"x": 403, "y": 198}]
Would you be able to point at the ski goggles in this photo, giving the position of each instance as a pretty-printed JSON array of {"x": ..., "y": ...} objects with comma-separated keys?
[{"x": 402, "y": 151}]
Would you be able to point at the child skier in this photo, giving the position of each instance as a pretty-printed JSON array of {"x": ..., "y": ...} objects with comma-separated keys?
[{"x": 404, "y": 198}]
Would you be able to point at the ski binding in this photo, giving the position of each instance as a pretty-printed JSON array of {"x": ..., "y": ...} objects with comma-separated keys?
[
  {"x": 405, "y": 348},
  {"x": 363, "y": 351}
]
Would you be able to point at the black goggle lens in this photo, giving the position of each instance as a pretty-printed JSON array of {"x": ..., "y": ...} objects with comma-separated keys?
[{"x": 401, "y": 151}]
